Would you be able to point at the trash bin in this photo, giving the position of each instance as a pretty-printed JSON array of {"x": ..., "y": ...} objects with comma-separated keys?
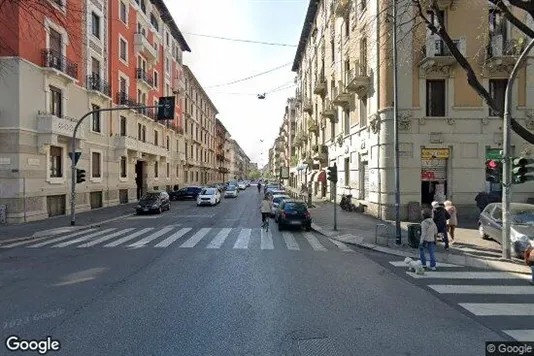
[{"x": 414, "y": 235}]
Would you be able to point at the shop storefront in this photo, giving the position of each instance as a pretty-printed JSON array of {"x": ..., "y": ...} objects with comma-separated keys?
[{"x": 434, "y": 163}]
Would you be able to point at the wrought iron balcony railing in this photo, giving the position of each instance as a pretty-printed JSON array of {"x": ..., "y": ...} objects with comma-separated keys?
[
  {"x": 54, "y": 59},
  {"x": 94, "y": 82}
]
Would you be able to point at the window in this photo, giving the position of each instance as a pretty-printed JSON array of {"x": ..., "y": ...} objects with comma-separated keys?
[
  {"x": 363, "y": 111},
  {"x": 95, "y": 127},
  {"x": 123, "y": 126},
  {"x": 155, "y": 138},
  {"x": 139, "y": 132},
  {"x": 56, "y": 107},
  {"x": 95, "y": 164},
  {"x": 435, "y": 97},
  {"x": 347, "y": 121},
  {"x": 123, "y": 167},
  {"x": 123, "y": 12},
  {"x": 156, "y": 172},
  {"x": 95, "y": 25},
  {"x": 156, "y": 81},
  {"x": 123, "y": 50},
  {"x": 333, "y": 49},
  {"x": 168, "y": 144},
  {"x": 95, "y": 68},
  {"x": 56, "y": 158},
  {"x": 168, "y": 170},
  {"x": 497, "y": 89},
  {"x": 55, "y": 41},
  {"x": 123, "y": 85}
]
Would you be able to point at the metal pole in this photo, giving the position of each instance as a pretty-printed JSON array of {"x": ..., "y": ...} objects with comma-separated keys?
[
  {"x": 24, "y": 196},
  {"x": 335, "y": 204},
  {"x": 507, "y": 152},
  {"x": 398, "y": 239}
]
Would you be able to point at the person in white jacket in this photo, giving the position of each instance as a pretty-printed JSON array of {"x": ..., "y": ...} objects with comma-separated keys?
[
  {"x": 429, "y": 231},
  {"x": 266, "y": 208}
]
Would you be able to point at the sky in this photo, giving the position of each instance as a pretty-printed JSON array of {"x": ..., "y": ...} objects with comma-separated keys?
[{"x": 214, "y": 61}]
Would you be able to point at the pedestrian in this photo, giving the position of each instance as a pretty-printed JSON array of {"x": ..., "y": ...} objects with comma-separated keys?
[
  {"x": 453, "y": 220},
  {"x": 440, "y": 217},
  {"x": 265, "y": 208},
  {"x": 429, "y": 232},
  {"x": 529, "y": 261},
  {"x": 482, "y": 200}
]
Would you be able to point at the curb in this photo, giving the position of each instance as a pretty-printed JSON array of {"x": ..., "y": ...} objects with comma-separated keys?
[
  {"x": 461, "y": 260},
  {"x": 62, "y": 230}
]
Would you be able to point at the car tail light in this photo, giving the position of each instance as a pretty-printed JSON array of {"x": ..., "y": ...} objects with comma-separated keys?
[
  {"x": 283, "y": 215},
  {"x": 308, "y": 215}
]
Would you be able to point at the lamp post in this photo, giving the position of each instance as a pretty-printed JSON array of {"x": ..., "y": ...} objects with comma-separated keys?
[{"x": 398, "y": 236}]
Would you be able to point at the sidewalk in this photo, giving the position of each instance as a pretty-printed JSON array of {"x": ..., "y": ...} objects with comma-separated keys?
[
  {"x": 369, "y": 232},
  {"x": 60, "y": 224}
]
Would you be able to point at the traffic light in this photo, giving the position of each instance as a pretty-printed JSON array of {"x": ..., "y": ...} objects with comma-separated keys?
[
  {"x": 80, "y": 175},
  {"x": 493, "y": 171},
  {"x": 166, "y": 106},
  {"x": 332, "y": 173},
  {"x": 520, "y": 170}
]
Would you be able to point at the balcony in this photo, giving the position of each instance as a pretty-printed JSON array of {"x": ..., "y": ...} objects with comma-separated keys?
[
  {"x": 320, "y": 84},
  {"x": 358, "y": 80},
  {"x": 124, "y": 99},
  {"x": 503, "y": 52},
  {"x": 178, "y": 86},
  {"x": 436, "y": 53},
  {"x": 51, "y": 127},
  {"x": 340, "y": 96},
  {"x": 144, "y": 78},
  {"x": 60, "y": 65},
  {"x": 143, "y": 46},
  {"x": 442, "y": 4},
  {"x": 307, "y": 106},
  {"x": 148, "y": 112},
  {"x": 312, "y": 126},
  {"x": 329, "y": 110},
  {"x": 123, "y": 144},
  {"x": 340, "y": 7},
  {"x": 320, "y": 153},
  {"x": 94, "y": 84}
]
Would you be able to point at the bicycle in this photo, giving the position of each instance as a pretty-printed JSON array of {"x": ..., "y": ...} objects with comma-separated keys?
[{"x": 265, "y": 224}]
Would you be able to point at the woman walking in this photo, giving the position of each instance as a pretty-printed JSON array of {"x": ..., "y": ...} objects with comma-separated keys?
[
  {"x": 429, "y": 230},
  {"x": 453, "y": 220},
  {"x": 440, "y": 217}
]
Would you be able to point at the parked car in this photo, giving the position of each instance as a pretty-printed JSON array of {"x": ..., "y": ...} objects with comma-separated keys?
[
  {"x": 231, "y": 191},
  {"x": 293, "y": 213},
  {"x": 153, "y": 201},
  {"x": 276, "y": 201},
  {"x": 186, "y": 193},
  {"x": 242, "y": 185},
  {"x": 522, "y": 230},
  {"x": 209, "y": 196}
]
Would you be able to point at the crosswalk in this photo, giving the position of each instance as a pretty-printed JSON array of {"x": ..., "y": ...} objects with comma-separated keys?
[
  {"x": 501, "y": 299},
  {"x": 187, "y": 238}
]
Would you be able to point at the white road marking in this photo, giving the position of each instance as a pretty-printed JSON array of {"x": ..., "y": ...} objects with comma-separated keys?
[
  {"x": 291, "y": 243},
  {"x": 195, "y": 216},
  {"x": 477, "y": 289},
  {"x": 469, "y": 275},
  {"x": 169, "y": 240},
  {"x": 152, "y": 237},
  {"x": 521, "y": 335},
  {"x": 195, "y": 239},
  {"x": 499, "y": 309},
  {"x": 314, "y": 242},
  {"x": 341, "y": 245},
  {"x": 61, "y": 238},
  {"x": 219, "y": 239},
  {"x": 266, "y": 240},
  {"x": 25, "y": 242},
  {"x": 84, "y": 238},
  {"x": 129, "y": 237},
  {"x": 438, "y": 264},
  {"x": 243, "y": 239},
  {"x": 105, "y": 238}
]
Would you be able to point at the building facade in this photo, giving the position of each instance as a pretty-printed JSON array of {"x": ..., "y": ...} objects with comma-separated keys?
[
  {"x": 446, "y": 132},
  {"x": 222, "y": 150}
]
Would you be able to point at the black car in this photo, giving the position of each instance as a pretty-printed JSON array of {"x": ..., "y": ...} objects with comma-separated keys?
[
  {"x": 154, "y": 201},
  {"x": 187, "y": 193},
  {"x": 293, "y": 213}
]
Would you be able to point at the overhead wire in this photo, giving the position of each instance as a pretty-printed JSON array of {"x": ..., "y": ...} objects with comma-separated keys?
[
  {"x": 241, "y": 40},
  {"x": 250, "y": 77}
]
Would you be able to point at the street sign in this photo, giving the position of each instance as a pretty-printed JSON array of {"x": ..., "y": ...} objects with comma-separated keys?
[
  {"x": 76, "y": 157},
  {"x": 166, "y": 108}
]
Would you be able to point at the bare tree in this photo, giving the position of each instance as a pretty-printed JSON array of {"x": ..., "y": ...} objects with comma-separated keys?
[{"x": 508, "y": 10}]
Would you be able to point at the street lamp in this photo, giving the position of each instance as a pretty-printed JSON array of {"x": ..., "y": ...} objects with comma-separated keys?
[{"x": 398, "y": 236}]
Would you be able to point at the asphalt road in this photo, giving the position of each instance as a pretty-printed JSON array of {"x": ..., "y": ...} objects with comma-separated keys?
[{"x": 217, "y": 286}]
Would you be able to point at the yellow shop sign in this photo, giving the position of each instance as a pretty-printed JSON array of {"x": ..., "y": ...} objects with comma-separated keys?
[{"x": 434, "y": 153}]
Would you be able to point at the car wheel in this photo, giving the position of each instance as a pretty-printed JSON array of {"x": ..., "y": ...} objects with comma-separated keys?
[
  {"x": 482, "y": 233},
  {"x": 159, "y": 210},
  {"x": 169, "y": 207}
]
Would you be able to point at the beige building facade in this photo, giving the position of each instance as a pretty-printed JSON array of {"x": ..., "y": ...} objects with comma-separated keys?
[{"x": 345, "y": 98}]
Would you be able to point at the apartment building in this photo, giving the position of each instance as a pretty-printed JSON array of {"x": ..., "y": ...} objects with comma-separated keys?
[
  {"x": 223, "y": 148},
  {"x": 345, "y": 96},
  {"x": 239, "y": 161},
  {"x": 65, "y": 58}
]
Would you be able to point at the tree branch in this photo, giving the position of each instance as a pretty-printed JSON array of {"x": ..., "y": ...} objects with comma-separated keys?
[
  {"x": 513, "y": 19},
  {"x": 527, "y": 6}
]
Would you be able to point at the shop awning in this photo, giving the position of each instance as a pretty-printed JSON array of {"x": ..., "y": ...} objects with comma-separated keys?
[{"x": 321, "y": 177}]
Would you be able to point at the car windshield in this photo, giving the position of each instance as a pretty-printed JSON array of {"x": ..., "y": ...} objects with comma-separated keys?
[
  {"x": 278, "y": 199},
  {"x": 209, "y": 191},
  {"x": 299, "y": 207},
  {"x": 150, "y": 196},
  {"x": 231, "y": 187},
  {"x": 523, "y": 215}
]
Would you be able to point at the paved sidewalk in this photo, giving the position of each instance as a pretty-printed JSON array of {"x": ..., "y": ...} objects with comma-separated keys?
[
  {"x": 372, "y": 233},
  {"x": 60, "y": 224}
]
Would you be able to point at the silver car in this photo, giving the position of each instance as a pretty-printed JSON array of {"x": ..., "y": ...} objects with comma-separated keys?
[{"x": 276, "y": 201}]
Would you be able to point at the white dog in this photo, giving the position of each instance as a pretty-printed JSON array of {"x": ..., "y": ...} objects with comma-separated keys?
[{"x": 415, "y": 266}]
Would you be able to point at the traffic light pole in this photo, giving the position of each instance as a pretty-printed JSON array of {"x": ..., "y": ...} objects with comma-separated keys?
[
  {"x": 507, "y": 148},
  {"x": 73, "y": 152}
]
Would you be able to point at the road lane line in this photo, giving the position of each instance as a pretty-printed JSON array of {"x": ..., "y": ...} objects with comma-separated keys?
[
  {"x": 266, "y": 240},
  {"x": 478, "y": 289},
  {"x": 129, "y": 237},
  {"x": 83, "y": 238},
  {"x": 468, "y": 275},
  {"x": 195, "y": 239},
  {"x": 105, "y": 238},
  {"x": 291, "y": 243},
  {"x": 499, "y": 309},
  {"x": 58, "y": 239},
  {"x": 438, "y": 264},
  {"x": 521, "y": 335},
  {"x": 169, "y": 240},
  {"x": 152, "y": 237},
  {"x": 219, "y": 239},
  {"x": 243, "y": 239},
  {"x": 341, "y": 245},
  {"x": 314, "y": 242}
]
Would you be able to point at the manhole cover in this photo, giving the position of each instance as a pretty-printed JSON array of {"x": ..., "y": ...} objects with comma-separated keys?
[{"x": 316, "y": 347}]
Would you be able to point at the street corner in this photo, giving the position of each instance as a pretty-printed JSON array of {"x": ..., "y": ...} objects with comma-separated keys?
[{"x": 323, "y": 231}]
